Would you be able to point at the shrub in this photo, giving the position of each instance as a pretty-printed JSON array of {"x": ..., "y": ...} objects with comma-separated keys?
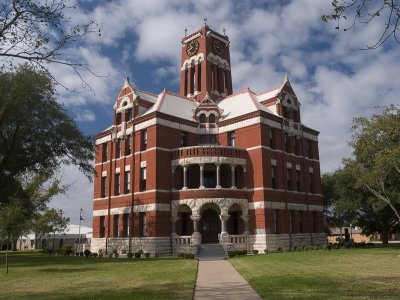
[
  {"x": 265, "y": 251},
  {"x": 115, "y": 251},
  {"x": 185, "y": 255},
  {"x": 81, "y": 253},
  {"x": 110, "y": 255},
  {"x": 123, "y": 251},
  {"x": 138, "y": 254},
  {"x": 234, "y": 253},
  {"x": 94, "y": 254},
  {"x": 255, "y": 251},
  {"x": 87, "y": 253},
  {"x": 116, "y": 255},
  {"x": 147, "y": 254},
  {"x": 129, "y": 255},
  {"x": 328, "y": 247},
  {"x": 67, "y": 250},
  {"x": 280, "y": 249}
]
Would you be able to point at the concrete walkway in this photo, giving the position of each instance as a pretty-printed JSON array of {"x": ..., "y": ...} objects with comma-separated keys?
[{"x": 218, "y": 279}]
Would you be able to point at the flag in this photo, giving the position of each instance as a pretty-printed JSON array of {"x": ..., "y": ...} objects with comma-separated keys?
[{"x": 82, "y": 213}]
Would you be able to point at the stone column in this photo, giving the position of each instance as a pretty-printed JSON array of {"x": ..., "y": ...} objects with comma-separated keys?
[
  {"x": 174, "y": 219},
  {"x": 201, "y": 176},
  {"x": 233, "y": 186},
  {"x": 218, "y": 176},
  {"x": 184, "y": 178},
  {"x": 224, "y": 237},
  {"x": 196, "y": 236},
  {"x": 246, "y": 224}
]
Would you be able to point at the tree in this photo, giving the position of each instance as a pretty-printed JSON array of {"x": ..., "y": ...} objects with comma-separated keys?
[
  {"x": 347, "y": 202},
  {"x": 12, "y": 224},
  {"x": 375, "y": 162},
  {"x": 37, "y": 136},
  {"x": 37, "y": 31},
  {"x": 46, "y": 222},
  {"x": 364, "y": 12}
]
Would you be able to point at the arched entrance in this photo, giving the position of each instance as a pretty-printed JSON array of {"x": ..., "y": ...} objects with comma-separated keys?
[{"x": 210, "y": 226}]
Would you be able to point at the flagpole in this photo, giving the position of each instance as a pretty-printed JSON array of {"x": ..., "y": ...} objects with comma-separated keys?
[{"x": 79, "y": 231}]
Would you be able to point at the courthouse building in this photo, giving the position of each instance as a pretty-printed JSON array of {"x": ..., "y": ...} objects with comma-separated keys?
[{"x": 207, "y": 165}]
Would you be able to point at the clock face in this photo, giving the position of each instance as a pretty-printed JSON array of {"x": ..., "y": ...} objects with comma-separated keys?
[
  {"x": 218, "y": 47},
  {"x": 192, "y": 47}
]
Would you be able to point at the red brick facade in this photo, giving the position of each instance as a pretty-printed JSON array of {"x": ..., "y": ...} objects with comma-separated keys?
[{"x": 207, "y": 165}]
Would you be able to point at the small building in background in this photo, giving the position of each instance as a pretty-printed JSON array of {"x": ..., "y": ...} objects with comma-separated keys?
[{"x": 55, "y": 241}]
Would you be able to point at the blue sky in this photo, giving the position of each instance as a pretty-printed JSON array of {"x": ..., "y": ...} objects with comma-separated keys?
[{"x": 141, "y": 39}]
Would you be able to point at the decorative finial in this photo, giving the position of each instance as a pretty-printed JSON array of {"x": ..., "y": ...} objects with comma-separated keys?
[
  {"x": 205, "y": 21},
  {"x": 224, "y": 30},
  {"x": 185, "y": 31}
]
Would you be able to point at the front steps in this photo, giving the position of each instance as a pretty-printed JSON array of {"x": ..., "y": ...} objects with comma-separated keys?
[{"x": 211, "y": 252}]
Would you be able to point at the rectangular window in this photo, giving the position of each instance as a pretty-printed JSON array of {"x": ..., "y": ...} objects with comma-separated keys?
[
  {"x": 104, "y": 152},
  {"x": 298, "y": 186},
  {"x": 128, "y": 145},
  {"x": 314, "y": 221},
  {"x": 291, "y": 221},
  {"x": 102, "y": 226},
  {"x": 271, "y": 138},
  {"x": 285, "y": 112},
  {"x": 213, "y": 139},
  {"x": 144, "y": 139},
  {"x": 127, "y": 182},
  {"x": 103, "y": 187},
  {"x": 142, "y": 224},
  {"x": 286, "y": 137},
  {"x": 288, "y": 175},
  {"x": 203, "y": 139},
  {"x": 118, "y": 149},
  {"x": 119, "y": 118},
  {"x": 128, "y": 115},
  {"x": 309, "y": 149},
  {"x": 143, "y": 177},
  {"x": 301, "y": 221},
  {"x": 295, "y": 145},
  {"x": 311, "y": 179},
  {"x": 117, "y": 184},
  {"x": 273, "y": 176},
  {"x": 276, "y": 221},
  {"x": 116, "y": 227},
  {"x": 125, "y": 225},
  {"x": 232, "y": 139},
  {"x": 183, "y": 139}
]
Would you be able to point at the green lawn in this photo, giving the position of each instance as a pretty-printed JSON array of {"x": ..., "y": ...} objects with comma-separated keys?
[
  {"x": 338, "y": 274},
  {"x": 59, "y": 277}
]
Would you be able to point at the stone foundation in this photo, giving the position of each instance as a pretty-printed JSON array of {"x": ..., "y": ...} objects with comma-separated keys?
[
  {"x": 154, "y": 245},
  {"x": 274, "y": 242}
]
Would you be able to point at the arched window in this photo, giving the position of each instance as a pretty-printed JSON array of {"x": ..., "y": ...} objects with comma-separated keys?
[
  {"x": 202, "y": 118},
  {"x": 211, "y": 118}
]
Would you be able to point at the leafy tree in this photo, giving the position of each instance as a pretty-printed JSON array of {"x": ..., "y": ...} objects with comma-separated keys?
[
  {"x": 37, "y": 31},
  {"x": 376, "y": 156},
  {"x": 12, "y": 224},
  {"x": 347, "y": 202},
  {"x": 36, "y": 134},
  {"x": 46, "y": 222},
  {"x": 364, "y": 12}
]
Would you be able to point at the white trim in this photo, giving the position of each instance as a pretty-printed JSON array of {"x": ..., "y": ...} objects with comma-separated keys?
[
  {"x": 209, "y": 160},
  {"x": 127, "y": 168},
  {"x": 184, "y": 42},
  {"x": 298, "y": 168},
  {"x": 152, "y": 191},
  {"x": 143, "y": 164},
  {"x": 136, "y": 208},
  {"x": 282, "y": 205},
  {"x": 104, "y": 174},
  {"x": 273, "y": 162},
  {"x": 264, "y": 188},
  {"x": 209, "y": 33},
  {"x": 288, "y": 165}
]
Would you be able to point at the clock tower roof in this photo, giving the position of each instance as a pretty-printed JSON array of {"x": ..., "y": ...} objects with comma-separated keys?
[{"x": 205, "y": 65}]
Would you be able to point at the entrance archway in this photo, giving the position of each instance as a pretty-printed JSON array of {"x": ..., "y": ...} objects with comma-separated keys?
[{"x": 210, "y": 226}]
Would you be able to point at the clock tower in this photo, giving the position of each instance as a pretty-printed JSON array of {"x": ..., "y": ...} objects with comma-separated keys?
[{"x": 205, "y": 65}]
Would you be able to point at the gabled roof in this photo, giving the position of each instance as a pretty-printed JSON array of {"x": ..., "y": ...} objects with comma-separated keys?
[
  {"x": 275, "y": 92},
  {"x": 174, "y": 105},
  {"x": 240, "y": 104}
]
